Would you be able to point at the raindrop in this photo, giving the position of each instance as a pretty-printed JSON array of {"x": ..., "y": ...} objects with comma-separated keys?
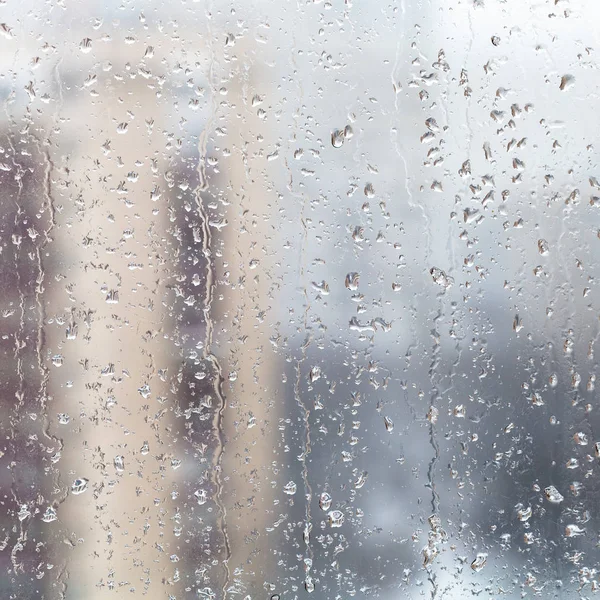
[
  {"x": 85, "y": 45},
  {"x": 336, "y": 518},
  {"x": 49, "y": 515},
  {"x": 325, "y": 501},
  {"x": 553, "y": 495},
  {"x": 574, "y": 531},
  {"x": 337, "y": 138},
  {"x": 441, "y": 278},
  {"x": 79, "y": 486},
  {"x": 352, "y": 280},
  {"x": 119, "y": 463},
  {"x": 290, "y": 488},
  {"x": 201, "y": 496},
  {"x": 567, "y": 82},
  {"x": 479, "y": 562},
  {"x": 24, "y": 512}
]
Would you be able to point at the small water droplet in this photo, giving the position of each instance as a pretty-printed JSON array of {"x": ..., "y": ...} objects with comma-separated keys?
[
  {"x": 337, "y": 138},
  {"x": 144, "y": 391},
  {"x": 517, "y": 323},
  {"x": 201, "y": 496},
  {"x": 336, "y": 518},
  {"x": 479, "y": 562},
  {"x": 290, "y": 488},
  {"x": 314, "y": 374},
  {"x": 49, "y": 515},
  {"x": 567, "y": 82},
  {"x": 352, "y": 281},
  {"x": 440, "y": 278},
  {"x": 524, "y": 514},
  {"x": 85, "y": 45},
  {"x": 119, "y": 463},
  {"x": 362, "y": 479},
  {"x": 553, "y": 495},
  {"x": 325, "y": 501},
  {"x": 63, "y": 418},
  {"x": 24, "y": 512},
  {"x": 79, "y": 486},
  {"x": 574, "y": 531}
]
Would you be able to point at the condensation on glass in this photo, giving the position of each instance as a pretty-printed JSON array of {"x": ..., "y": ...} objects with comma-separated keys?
[{"x": 299, "y": 299}]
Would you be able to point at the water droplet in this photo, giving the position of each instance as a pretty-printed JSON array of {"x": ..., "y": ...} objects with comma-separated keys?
[
  {"x": 362, "y": 479},
  {"x": 144, "y": 391},
  {"x": 49, "y": 515},
  {"x": 290, "y": 488},
  {"x": 389, "y": 424},
  {"x": 325, "y": 501},
  {"x": 543, "y": 247},
  {"x": 85, "y": 45},
  {"x": 553, "y": 495},
  {"x": 517, "y": 323},
  {"x": 337, "y": 138},
  {"x": 537, "y": 400},
  {"x": 352, "y": 281},
  {"x": 201, "y": 496},
  {"x": 336, "y": 518},
  {"x": 314, "y": 374},
  {"x": 24, "y": 512},
  {"x": 441, "y": 278},
  {"x": 369, "y": 190},
  {"x": 112, "y": 297},
  {"x": 63, "y": 418},
  {"x": 79, "y": 486},
  {"x": 432, "y": 125},
  {"x": 119, "y": 463},
  {"x": 479, "y": 562},
  {"x": 574, "y": 531},
  {"x": 567, "y": 82},
  {"x": 524, "y": 514},
  {"x": 432, "y": 415}
]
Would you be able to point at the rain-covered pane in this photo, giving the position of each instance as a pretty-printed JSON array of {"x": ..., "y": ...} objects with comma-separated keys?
[{"x": 299, "y": 299}]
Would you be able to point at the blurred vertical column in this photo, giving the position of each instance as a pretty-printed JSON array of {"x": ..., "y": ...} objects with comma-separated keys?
[
  {"x": 246, "y": 253},
  {"x": 107, "y": 329}
]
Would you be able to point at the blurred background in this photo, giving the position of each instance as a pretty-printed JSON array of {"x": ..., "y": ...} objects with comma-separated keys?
[{"x": 299, "y": 299}]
